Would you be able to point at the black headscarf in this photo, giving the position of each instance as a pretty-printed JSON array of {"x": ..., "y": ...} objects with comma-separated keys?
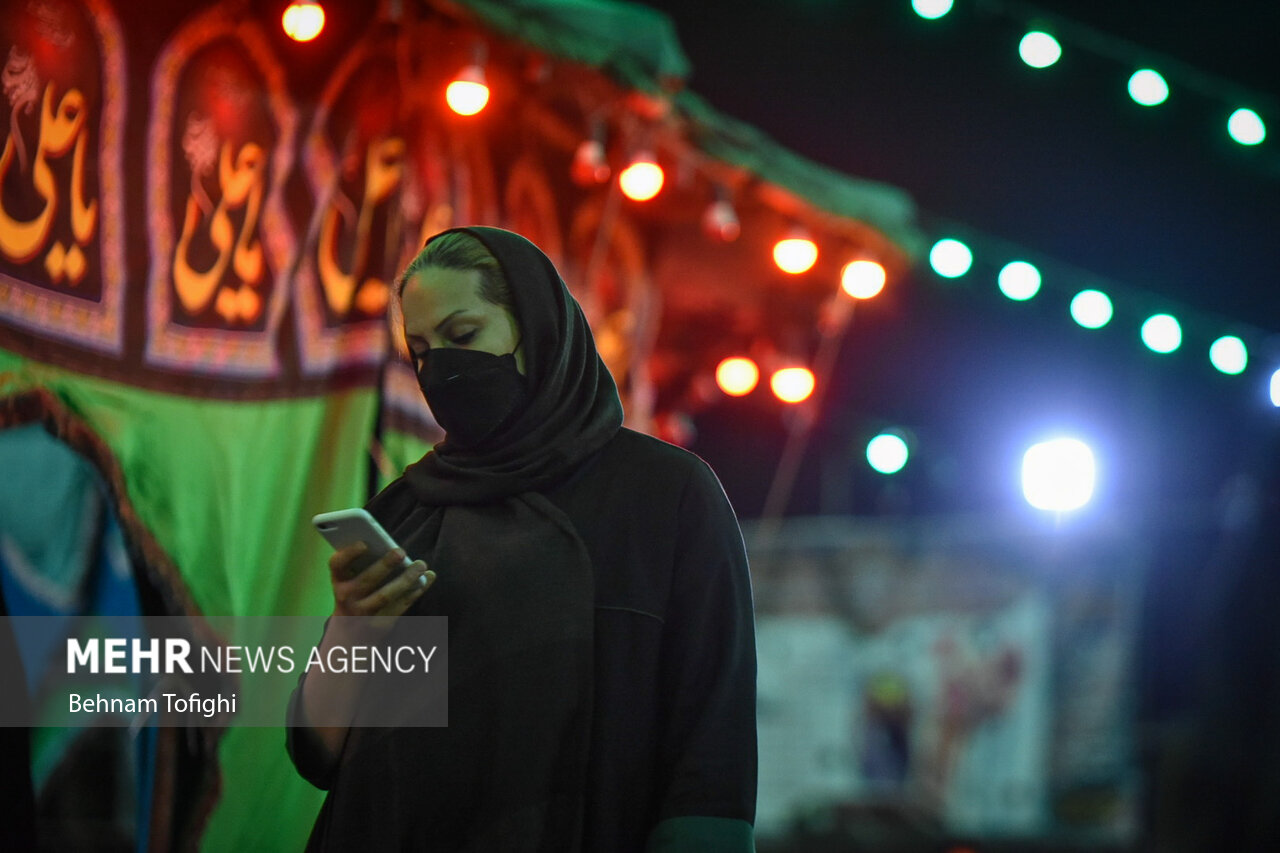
[
  {"x": 516, "y": 583},
  {"x": 574, "y": 408}
]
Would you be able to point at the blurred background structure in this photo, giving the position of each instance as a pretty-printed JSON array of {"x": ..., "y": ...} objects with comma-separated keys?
[{"x": 971, "y": 306}]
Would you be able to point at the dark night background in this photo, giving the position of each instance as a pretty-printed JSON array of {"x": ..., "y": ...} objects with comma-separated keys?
[
  {"x": 1157, "y": 206},
  {"x": 1058, "y": 166},
  {"x": 1158, "y": 203}
]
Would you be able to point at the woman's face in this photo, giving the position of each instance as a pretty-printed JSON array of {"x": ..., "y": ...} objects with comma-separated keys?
[{"x": 443, "y": 308}]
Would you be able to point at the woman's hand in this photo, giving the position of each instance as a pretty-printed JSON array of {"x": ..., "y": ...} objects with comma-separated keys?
[
  {"x": 367, "y": 600},
  {"x": 373, "y": 597}
]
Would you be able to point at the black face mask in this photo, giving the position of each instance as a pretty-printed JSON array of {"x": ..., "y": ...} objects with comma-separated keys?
[{"x": 472, "y": 394}]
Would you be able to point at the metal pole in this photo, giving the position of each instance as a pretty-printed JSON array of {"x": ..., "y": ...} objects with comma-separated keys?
[{"x": 801, "y": 427}]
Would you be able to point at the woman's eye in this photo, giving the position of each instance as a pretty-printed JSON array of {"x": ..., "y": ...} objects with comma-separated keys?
[{"x": 465, "y": 337}]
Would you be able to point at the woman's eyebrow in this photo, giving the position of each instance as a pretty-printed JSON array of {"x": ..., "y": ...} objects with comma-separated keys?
[{"x": 452, "y": 314}]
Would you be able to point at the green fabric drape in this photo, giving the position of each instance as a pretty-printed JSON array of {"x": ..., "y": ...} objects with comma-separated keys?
[
  {"x": 888, "y": 209},
  {"x": 635, "y": 44},
  {"x": 228, "y": 489}
]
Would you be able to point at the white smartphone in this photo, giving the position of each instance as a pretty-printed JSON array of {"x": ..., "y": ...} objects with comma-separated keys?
[{"x": 345, "y": 527}]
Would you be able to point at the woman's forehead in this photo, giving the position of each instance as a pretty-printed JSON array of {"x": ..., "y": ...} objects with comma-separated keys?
[
  {"x": 439, "y": 281},
  {"x": 434, "y": 291}
]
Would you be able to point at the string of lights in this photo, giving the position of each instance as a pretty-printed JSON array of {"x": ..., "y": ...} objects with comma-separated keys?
[
  {"x": 649, "y": 128},
  {"x": 1094, "y": 302},
  {"x": 1155, "y": 76},
  {"x": 956, "y": 252}
]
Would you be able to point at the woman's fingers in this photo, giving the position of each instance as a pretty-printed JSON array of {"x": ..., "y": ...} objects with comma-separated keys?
[
  {"x": 377, "y": 588},
  {"x": 394, "y": 597},
  {"x": 369, "y": 578},
  {"x": 346, "y": 563},
  {"x": 414, "y": 589}
]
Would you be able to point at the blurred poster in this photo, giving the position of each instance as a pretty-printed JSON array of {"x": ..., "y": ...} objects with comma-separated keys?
[
  {"x": 805, "y": 690},
  {"x": 963, "y": 682}
]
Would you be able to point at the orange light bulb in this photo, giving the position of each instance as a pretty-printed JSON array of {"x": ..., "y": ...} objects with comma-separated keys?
[
  {"x": 720, "y": 221},
  {"x": 863, "y": 279},
  {"x": 468, "y": 93},
  {"x": 589, "y": 164},
  {"x": 795, "y": 254},
  {"x": 792, "y": 384},
  {"x": 642, "y": 179},
  {"x": 303, "y": 20},
  {"x": 737, "y": 376}
]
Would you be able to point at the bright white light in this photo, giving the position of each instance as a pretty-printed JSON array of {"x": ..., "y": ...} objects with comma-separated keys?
[
  {"x": 887, "y": 453},
  {"x": 1091, "y": 309},
  {"x": 1019, "y": 280},
  {"x": 1148, "y": 88},
  {"x": 1039, "y": 50},
  {"x": 1161, "y": 333},
  {"x": 1058, "y": 475},
  {"x": 1275, "y": 389},
  {"x": 1229, "y": 354},
  {"x": 931, "y": 9},
  {"x": 950, "y": 258},
  {"x": 1246, "y": 127}
]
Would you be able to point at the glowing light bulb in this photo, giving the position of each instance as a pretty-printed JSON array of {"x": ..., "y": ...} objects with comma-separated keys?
[
  {"x": 1246, "y": 127},
  {"x": 1091, "y": 309},
  {"x": 792, "y": 384},
  {"x": 468, "y": 93},
  {"x": 1148, "y": 88},
  {"x": 737, "y": 376},
  {"x": 950, "y": 258},
  {"x": 887, "y": 452},
  {"x": 931, "y": 10},
  {"x": 863, "y": 279},
  {"x": 303, "y": 20},
  {"x": 1039, "y": 50},
  {"x": 1058, "y": 475},
  {"x": 643, "y": 178},
  {"x": 1229, "y": 355},
  {"x": 1162, "y": 333},
  {"x": 795, "y": 254},
  {"x": 1019, "y": 280}
]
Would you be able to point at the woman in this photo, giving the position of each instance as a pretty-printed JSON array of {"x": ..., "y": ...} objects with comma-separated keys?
[{"x": 601, "y": 639}]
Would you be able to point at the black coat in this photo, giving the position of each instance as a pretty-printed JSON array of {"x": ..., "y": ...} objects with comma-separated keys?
[{"x": 672, "y": 747}]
